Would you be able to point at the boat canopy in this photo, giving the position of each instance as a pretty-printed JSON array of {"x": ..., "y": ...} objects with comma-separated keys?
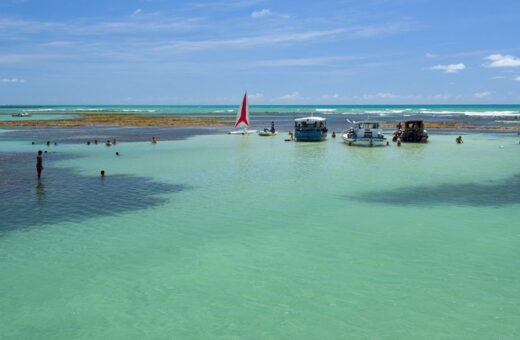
[
  {"x": 368, "y": 125},
  {"x": 310, "y": 120}
]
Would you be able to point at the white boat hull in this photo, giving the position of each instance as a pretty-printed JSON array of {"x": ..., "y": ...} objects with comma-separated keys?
[
  {"x": 267, "y": 133},
  {"x": 364, "y": 141},
  {"x": 242, "y": 132}
]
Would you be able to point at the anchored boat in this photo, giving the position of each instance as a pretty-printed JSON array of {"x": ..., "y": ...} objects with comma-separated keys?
[
  {"x": 366, "y": 133},
  {"x": 242, "y": 119},
  {"x": 309, "y": 129},
  {"x": 24, "y": 114},
  {"x": 413, "y": 131}
]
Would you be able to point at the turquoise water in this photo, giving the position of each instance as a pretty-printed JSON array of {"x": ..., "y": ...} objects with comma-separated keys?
[
  {"x": 248, "y": 237},
  {"x": 374, "y": 110},
  {"x": 9, "y": 117}
]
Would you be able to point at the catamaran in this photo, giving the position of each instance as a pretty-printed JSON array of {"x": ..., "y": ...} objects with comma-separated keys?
[{"x": 242, "y": 119}]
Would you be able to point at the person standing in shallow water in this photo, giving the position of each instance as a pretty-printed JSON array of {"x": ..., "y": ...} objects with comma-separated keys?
[{"x": 39, "y": 163}]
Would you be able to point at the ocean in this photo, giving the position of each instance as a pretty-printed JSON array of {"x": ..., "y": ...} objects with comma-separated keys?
[
  {"x": 215, "y": 236},
  {"x": 471, "y": 114}
]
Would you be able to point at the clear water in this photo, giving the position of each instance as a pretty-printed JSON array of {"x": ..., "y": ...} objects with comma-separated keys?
[
  {"x": 224, "y": 236},
  {"x": 9, "y": 117}
]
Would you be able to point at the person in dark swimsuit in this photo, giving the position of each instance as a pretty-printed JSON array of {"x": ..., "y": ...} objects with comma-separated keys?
[{"x": 39, "y": 163}]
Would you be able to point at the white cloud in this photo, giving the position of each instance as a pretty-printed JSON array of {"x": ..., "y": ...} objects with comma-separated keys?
[
  {"x": 301, "y": 61},
  {"x": 256, "y": 96},
  {"x": 269, "y": 39},
  {"x": 483, "y": 94},
  {"x": 261, "y": 13},
  {"x": 498, "y": 77},
  {"x": 295, "y": 95},
  {"x": 381, "y": 95},
  {"x": 332, "y": 96},
  {"x": 517, "y": 78},
  {"x": 136, "y": 12},
  {"x": 502, "y": 60},
  {"x": 12, "y": 80},
  {"x": 450, "y": 68},
  {"x": 431, "y": 55}
]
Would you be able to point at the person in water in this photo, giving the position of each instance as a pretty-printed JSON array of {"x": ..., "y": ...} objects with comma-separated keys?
[
  {"x": 88, "y": 142},
  {"x": 39, "y": 163},
  {"x": 333, "y": 134},
  {"x": 102, "y": 173},
  {"x": 273, "y": 130},
  {"x": 95, "y": 141},
  {"x": 154, "y": 141},
  {"x": 117, "y": 153},
  {"x": 48, "y": 143},
  {"x": 108, "y": 143},
  {"x": 459, "y": 140}
]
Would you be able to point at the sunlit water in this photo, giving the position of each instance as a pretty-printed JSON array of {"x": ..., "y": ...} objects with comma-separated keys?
[{"x": 252, "y": 237}]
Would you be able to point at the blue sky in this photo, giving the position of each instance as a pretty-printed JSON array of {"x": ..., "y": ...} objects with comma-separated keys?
[{"x": 284, "y": 52}]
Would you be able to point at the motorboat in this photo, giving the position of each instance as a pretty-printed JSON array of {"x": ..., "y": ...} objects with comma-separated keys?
[
  {"x": 412, "y": 131},
  {"x": 23, "y": 114},
  {"x": 267, "y": 133},
  {"x": 365, "y": 133},
  {"x": 310, "y": 129}
]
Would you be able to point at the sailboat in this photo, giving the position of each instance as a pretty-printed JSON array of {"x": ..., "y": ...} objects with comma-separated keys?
[{"x": 242, "y": 119}]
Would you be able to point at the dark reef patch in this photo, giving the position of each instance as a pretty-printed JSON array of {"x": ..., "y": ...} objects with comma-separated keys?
[
  {"x": 64, "y": 195},
  {"x": 493, "y": 194}
]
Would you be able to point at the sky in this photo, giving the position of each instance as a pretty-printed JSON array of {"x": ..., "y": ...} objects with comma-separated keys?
[{"x": 282, "y": 52}]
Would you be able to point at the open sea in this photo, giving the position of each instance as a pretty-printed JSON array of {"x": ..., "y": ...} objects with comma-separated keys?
[
  {"x": 284, "y": 115},
  {"x": 205, "y": 235}
]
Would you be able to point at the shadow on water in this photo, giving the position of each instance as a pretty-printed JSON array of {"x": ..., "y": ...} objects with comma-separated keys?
[
  {"x": 63, "y": 195},
  {"x": 492, "y": 194}
]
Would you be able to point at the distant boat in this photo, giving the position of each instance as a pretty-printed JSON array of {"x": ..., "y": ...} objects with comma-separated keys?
[
  {"x": 24, "y": 114},
  {"x": 310, "y": 129},
  {"x": 364, "y": 133},
  {"x": 242, "y": 119}
]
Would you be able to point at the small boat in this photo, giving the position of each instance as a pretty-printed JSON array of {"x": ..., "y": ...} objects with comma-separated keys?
[
  {"x": 242, "y": 119},
  {"x": 413, "y": 131},
  {"x": 310, "y": 129},
  {"x": 365, "y": 133},
  {"x": 267, "y": 133},
  {"x": 24, "y": 114}
]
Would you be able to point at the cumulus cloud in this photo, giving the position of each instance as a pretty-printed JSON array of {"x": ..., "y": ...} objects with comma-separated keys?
[
  {"x": 12, "y": 80},
  {"x": 450, "y": 68},
  {"x": 295, "y": 95},
  {"x": 256, "y": 96},
  {"x": 483, "y": 94},
  {"x": 261, "y": 13},
  {"x": 502, "y": 60}
]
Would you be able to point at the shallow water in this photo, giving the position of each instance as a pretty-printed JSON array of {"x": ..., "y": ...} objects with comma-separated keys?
[{"x": 254, "y": 237}]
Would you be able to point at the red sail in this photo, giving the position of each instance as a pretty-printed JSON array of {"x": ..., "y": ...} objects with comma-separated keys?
[{"x": 243, "y": 112}]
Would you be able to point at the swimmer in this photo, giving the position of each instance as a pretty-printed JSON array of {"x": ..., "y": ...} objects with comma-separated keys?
[
  {"x": 39, "y": 164},
  {"x": 333, "y": 134},
  {"x": 108, "y": 143},
  {"x": 117, "y": 153},
  {"x": 459, "y": 140},
  {"x": 88, "y": 142},
  {"x": 102, "y": 173},
  {"x": 154, "y": 141},
  {"x": 48, "y": 143}
]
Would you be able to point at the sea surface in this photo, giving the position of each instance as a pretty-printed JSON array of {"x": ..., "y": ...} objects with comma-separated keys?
[
  {"x": 488, "y": 115},
  {"x": 215, "y": 236}
]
